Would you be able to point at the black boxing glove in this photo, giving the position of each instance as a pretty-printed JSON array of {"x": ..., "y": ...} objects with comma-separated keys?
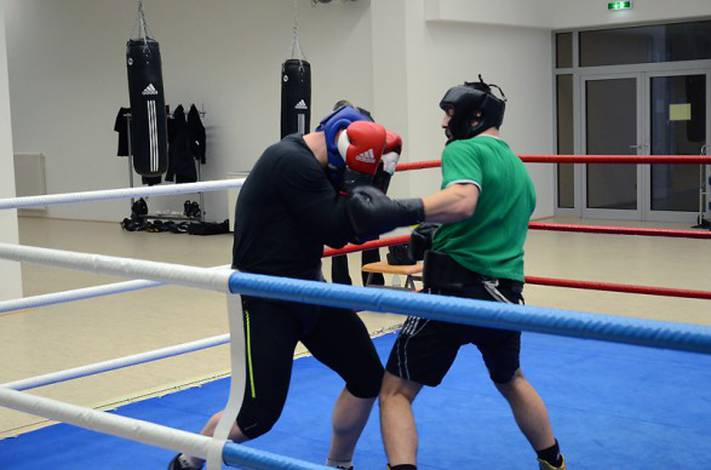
[
  {"x": 371, "y": 212},
  {"x": 352, "y": 179},
  {"x": 421, "y": 240}
]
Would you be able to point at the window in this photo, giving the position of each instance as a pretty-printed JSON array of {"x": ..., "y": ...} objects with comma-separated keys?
[
  {"x": 564, "y": 50},
  {"x": 564, "y": 93},
  {"x": 645, "y": 44}
]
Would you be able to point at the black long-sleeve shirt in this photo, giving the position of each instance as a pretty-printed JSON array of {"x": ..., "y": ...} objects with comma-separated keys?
[{"x": 286, "y": 211}]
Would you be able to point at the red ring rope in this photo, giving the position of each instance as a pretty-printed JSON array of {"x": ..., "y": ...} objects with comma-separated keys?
[
  {"x": 418, "y": 165},
  {"x": 638, "y": 159},
  {"x": 367, "y": 246},
  {"x": 646, "y": 232},
  {"x": 604, "y": 286},
  {"x": 612, "y": 287},
  {"x": 547, "y": 281}
]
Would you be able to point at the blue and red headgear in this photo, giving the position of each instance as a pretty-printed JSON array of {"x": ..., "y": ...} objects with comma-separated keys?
[{"x": 338, "y": 120}]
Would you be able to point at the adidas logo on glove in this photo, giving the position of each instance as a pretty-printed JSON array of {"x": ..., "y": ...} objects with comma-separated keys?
[
  {"x": 361, "y": 146},
  {"x": 366, "y": 157}
]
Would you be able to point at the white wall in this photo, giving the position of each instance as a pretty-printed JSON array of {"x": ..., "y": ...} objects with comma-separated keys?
[
  {"x": 68, "y": 78},
  {"x": 393, "y": 81},
  {"x": 527, "y": 13},
  {"x": 587, "y": 13},
  {"x": 10, "y": 276},
  {"x": 396, "y": 57},
  {"x": 443, "y": 54},
  {"x": 562, "y": 14},
  {"x": 511, "y": 39}
]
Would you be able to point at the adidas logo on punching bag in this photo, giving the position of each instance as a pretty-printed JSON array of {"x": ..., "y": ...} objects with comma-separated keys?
[
  {"x": 149, "y": 133},
  {"x": 150, "y": 90},
  {"x": 295, "y": 97}
]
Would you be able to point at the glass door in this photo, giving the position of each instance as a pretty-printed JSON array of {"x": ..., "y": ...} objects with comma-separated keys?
[
  {"x": 611, "y": 126},
  {"x": 677, "y": 124}
]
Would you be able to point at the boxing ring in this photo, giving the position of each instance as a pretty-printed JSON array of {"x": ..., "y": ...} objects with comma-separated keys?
[{"x": 217, "y": 450}]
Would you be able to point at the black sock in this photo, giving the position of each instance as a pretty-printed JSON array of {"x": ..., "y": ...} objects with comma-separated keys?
[
  {"x": 551, "y": 455},
  {"x": 406, "y": 466}
]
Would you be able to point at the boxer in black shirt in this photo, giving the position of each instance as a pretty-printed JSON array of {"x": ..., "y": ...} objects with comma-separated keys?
[{"x": 292, "y": 204}]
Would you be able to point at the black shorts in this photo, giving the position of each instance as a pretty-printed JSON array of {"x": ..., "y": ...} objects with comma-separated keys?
[
  {"x": 425, "y": 349},
  {"x": 336, "y": 337}
]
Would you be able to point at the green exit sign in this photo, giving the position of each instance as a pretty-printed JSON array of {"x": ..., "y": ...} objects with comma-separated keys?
[{"x": 618, "y": 6}]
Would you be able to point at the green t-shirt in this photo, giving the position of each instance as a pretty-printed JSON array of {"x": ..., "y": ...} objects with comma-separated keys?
[{"x": 490, "y": 242}]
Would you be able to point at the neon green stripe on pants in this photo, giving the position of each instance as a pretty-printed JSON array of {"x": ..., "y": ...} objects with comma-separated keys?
[{"x": 250, "y": 368}]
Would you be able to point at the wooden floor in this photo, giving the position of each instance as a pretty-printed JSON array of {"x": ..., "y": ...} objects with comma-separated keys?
[{"x": 34, "y": 342}]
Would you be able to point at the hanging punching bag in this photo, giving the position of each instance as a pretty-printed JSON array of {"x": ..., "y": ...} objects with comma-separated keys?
[
  {"x": 295, "y": 97},
  {"x": 149, "y": 133}
]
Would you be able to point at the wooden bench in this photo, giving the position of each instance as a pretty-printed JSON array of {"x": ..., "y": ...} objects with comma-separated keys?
[{"x": 412, "y": 272}]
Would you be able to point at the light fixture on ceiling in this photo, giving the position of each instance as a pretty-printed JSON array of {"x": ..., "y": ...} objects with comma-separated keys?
[{"x": 316, "y": 2}]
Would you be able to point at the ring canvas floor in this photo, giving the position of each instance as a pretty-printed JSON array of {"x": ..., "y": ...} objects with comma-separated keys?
[{"x": 612, "y": 406}]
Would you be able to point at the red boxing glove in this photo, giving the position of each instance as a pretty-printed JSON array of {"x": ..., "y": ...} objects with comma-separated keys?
[
  {"x": 361, "y": 146},
  {"x": 393, "y": 142},
  {"x": 391, "y": 155},
  {"x": 391, "y": 152}
]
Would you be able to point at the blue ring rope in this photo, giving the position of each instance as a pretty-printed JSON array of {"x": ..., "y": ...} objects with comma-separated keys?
[
  {"x": 617, "y": 329},
  {"x": 669, "y": 335},
  {"x": 247, "y": 458}
]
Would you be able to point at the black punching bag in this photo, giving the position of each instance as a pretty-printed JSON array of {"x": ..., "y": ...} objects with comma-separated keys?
[
  {"x": 149, "y": 133},
  {"x": 295, "y": 97}
]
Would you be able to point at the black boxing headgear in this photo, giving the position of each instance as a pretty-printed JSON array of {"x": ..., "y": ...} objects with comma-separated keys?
[{"x": 470, "y": 103}]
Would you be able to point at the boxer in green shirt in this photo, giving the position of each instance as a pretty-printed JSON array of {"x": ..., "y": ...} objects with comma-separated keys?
[{"x": 484, "y": 206}]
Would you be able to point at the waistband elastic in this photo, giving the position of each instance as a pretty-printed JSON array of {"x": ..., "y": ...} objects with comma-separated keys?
[{"x": 440, "y": 271}]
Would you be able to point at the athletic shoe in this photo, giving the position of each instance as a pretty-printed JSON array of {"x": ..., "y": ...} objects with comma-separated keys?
[
  {"x": 176, "y": 464},
  {"x": 543, "y": 465}
]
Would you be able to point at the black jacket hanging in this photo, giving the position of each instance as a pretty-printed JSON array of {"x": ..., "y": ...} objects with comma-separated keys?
[
  {"x": 196, "y": 131},
  {"x": 121, "y": 126},
  {"x": 181, "y": 165}
]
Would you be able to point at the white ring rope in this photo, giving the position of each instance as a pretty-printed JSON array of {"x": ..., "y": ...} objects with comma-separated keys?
[
  {"x": 204, "y": 278},
  {"x": 228, "y": 281},
  {"x": 44, "y": 300},
  {"x": 238, "y": 377},
  {"x": 107, "y": 423},
  {"x": 123, "y": 193},
  {"x": 106, "y": 366},
  {"x": 11, "y": 306},
  {"x": 190, "y": 276},
  {"x": 203, "y": 447}
]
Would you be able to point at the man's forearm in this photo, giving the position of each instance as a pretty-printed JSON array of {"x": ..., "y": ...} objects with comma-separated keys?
[{"x": 452, "y": 204}]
